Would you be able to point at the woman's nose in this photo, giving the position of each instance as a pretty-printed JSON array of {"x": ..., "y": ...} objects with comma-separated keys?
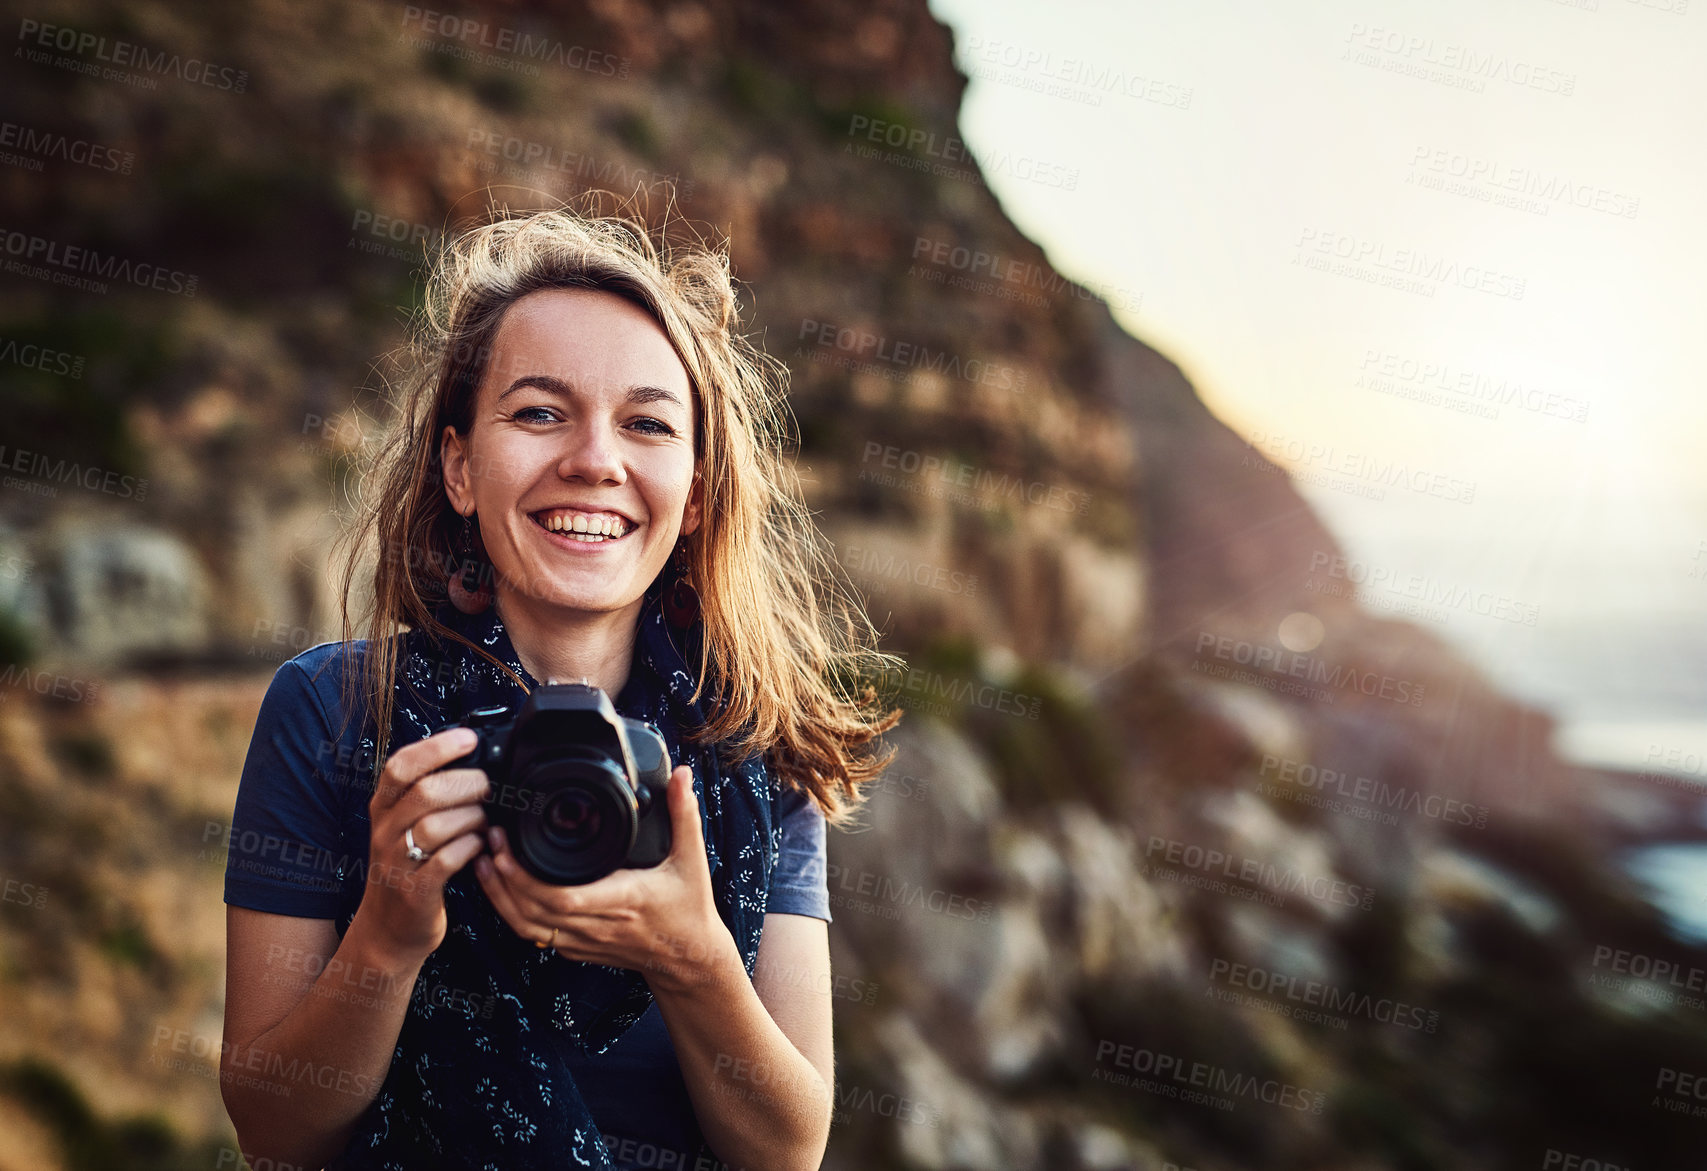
[{"x": 592, "y": 455}]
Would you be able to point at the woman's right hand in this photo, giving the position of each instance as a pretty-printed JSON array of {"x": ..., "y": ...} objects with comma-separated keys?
[{"x": 404, "y": 901}]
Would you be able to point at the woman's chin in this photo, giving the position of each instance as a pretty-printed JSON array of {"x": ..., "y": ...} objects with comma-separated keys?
[{"x": 594, "y": 597}]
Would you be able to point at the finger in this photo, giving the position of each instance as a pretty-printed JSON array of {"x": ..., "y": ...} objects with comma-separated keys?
[
  {"x": 447, "y": 789},
  {"x": 537, "y": 900},
  {"x": 504, "y": 901},
  {"x": 414, "y": 761},
  {"x": 687, "y": 838},
  {"x": 434, "y": 793},
  {"x": 446, "y": 825},
  {"x": 613, "y": 896},
  {"x": 446, "y": 861}
]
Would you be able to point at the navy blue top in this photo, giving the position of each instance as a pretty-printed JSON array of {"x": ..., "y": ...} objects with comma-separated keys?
[{"x": 284, "y": 858}]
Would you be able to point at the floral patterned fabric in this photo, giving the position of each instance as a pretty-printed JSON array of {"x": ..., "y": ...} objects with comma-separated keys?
[{"x": 479, "y": 1077}]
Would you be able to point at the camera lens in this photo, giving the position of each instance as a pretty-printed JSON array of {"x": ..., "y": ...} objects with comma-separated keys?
[
  {"x": 584, "y": 819},
  {"x": 573, "y": 819}
]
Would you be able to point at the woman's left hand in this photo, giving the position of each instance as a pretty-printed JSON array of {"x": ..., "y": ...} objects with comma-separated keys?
[{"x": 660, "y": 920}]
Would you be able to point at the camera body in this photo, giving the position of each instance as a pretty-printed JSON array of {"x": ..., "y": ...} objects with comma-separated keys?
[{"x": 578, "y": 789}]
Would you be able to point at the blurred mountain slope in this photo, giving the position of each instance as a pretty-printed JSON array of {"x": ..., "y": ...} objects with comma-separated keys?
[{"x": 1036, "y": 505}]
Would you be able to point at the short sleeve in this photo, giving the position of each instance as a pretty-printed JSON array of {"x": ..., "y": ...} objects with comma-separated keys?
[
  {"x": 284, "y": 852},
  {"x": 800, "y": 884}
]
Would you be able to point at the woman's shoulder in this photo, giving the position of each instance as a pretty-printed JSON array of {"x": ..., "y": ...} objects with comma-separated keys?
[
  {"x": 320, "y": 673},
  {"x": 318, "y": 656}
]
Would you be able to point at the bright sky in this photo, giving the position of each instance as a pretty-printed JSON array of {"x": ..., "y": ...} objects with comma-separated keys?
[{"x": 1323, "y": 205}]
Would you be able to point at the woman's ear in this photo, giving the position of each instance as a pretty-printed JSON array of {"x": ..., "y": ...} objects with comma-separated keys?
[
  {"x": 696, "y": 501},
  {"x": 453, "y": 455}
]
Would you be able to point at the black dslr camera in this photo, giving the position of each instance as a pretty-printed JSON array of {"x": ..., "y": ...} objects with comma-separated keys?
[{"x": 578, "y": 789}]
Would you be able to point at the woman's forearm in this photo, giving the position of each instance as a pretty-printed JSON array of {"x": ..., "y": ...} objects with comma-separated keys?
[
  {"x": 761, "y": 1104},
  {"x": 296, "y": 1090}
]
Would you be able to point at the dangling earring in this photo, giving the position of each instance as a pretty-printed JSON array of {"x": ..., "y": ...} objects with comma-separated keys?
[
  {"x": 681, "y": 600},
  {"x": 469, "y": 590}
]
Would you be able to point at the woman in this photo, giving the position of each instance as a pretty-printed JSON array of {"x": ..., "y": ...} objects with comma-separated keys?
[{"x": 586, "y": 484}]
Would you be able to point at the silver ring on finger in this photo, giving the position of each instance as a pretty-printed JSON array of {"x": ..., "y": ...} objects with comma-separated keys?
[{"x": 414, "y": 852}]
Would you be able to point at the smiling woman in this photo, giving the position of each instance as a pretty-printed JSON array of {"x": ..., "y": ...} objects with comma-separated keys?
[{"x": 587, "y": 482}]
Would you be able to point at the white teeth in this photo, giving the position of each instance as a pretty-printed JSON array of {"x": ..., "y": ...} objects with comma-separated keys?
[{"x": 582, "y": 527}]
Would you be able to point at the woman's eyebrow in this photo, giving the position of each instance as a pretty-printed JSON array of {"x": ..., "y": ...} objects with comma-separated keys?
[{"x": 547, "y": 382}]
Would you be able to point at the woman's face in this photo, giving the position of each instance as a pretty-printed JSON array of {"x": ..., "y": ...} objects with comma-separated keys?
[{"x": 580, "y": 458}]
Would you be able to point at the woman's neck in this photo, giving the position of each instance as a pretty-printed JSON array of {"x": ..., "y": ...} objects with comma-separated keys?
[{"x": 569, "y": 646}]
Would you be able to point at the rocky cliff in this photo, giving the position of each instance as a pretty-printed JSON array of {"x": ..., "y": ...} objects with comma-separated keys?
[{"x": 1236, "y": 875}]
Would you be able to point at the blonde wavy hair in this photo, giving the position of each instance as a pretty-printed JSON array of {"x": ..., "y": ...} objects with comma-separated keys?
[{"x": 787, "y": 648}]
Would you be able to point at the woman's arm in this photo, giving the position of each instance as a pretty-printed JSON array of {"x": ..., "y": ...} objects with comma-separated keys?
[
  {"x": 304, "y": 1054},
  {"x": 757, "y": 1055},
  {"x": 311, "y": 1022}
]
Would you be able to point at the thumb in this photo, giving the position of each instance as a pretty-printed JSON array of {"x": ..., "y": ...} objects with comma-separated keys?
[{"x": 686, "y": 834}]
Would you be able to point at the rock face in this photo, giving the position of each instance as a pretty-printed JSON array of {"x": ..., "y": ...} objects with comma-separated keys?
[
  {"x": 1062, "y": 919},
  {"x": 114, "y": 591}
]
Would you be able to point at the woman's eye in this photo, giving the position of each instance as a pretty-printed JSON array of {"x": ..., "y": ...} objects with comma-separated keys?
[{"x": 646, "y": 424}]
